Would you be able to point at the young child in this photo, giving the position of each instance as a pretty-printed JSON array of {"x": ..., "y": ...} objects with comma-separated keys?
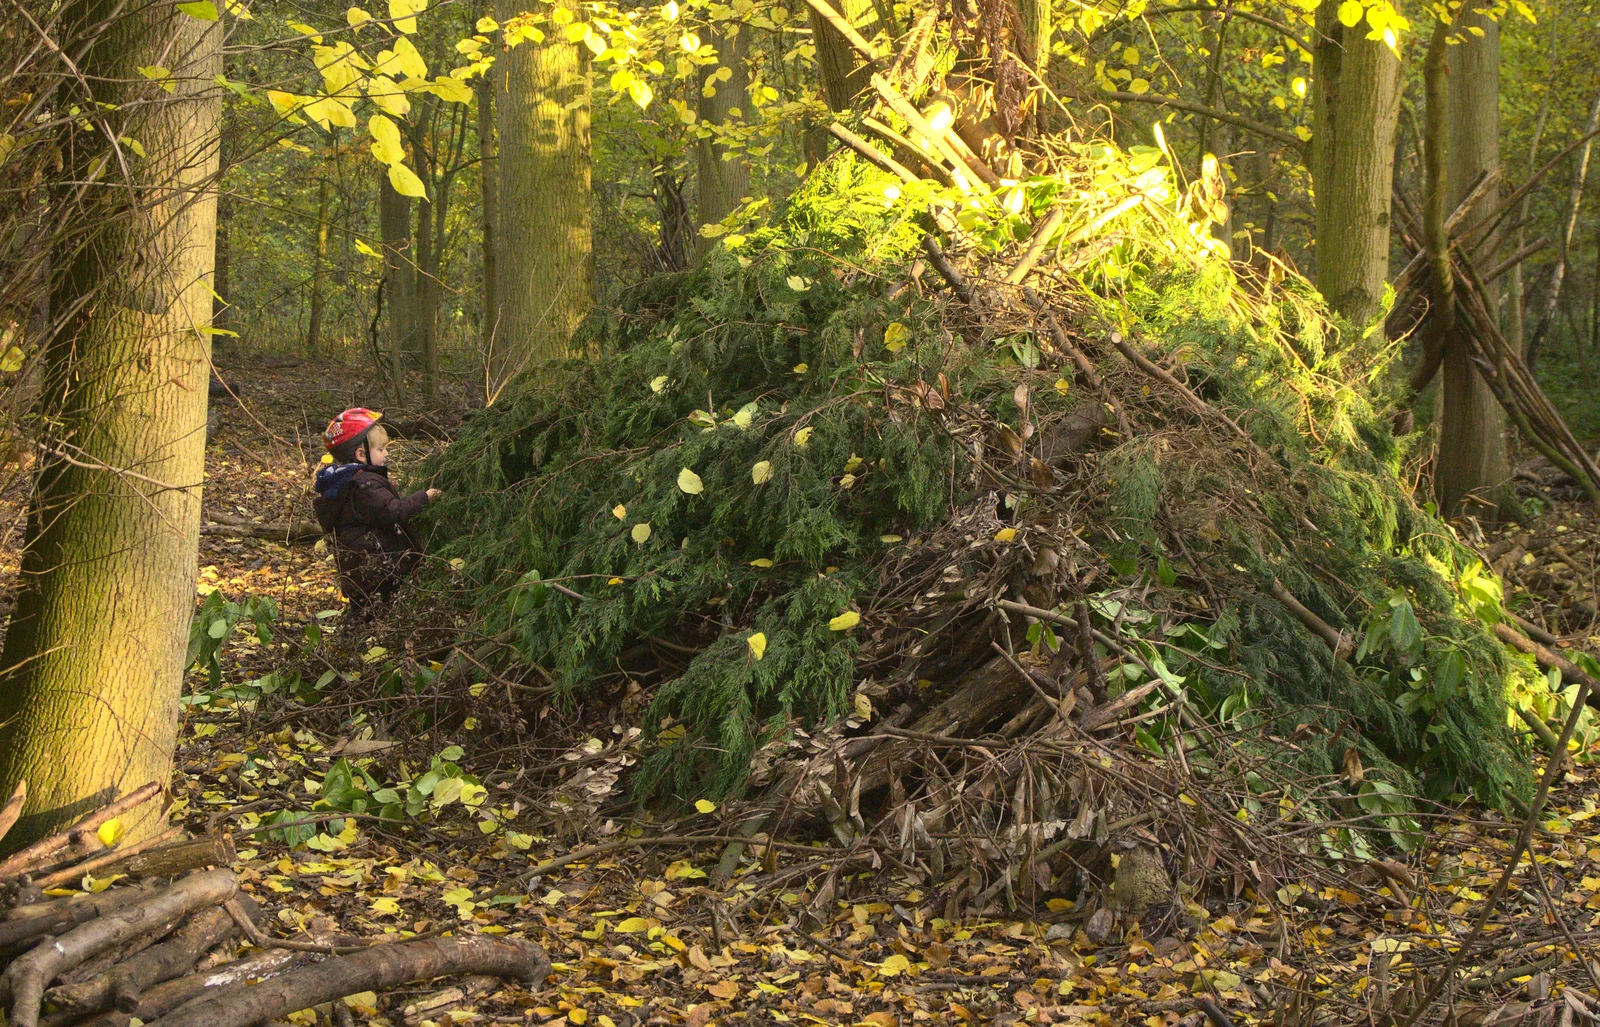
[{"x": 357, "y": 505}]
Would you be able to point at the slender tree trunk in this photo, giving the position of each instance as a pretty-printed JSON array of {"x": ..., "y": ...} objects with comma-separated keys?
[
  {"x": 489, "y": 183},
  {"x": 546, "y": 240},
  {"x": 319, "y": 267},
  {"x": 1515, "y": 316},
  {"x": 723, "y": 176},
  {"x": 427, "y": 298},
  {"x": 845, "y": 74},
  {"x": 1472, "y": 436},
  {"x": 1355, "y": 108},
  {"x": 394, "y": 223},
  {"x": 94, "y": 654},
  {"x": 1569, "y": 223},
  {"x": 222, "y": 298}
]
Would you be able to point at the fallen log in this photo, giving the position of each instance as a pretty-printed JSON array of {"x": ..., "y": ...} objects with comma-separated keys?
[
  {"x": 380, "y": 967},
  {"x": 288, "y": 532},
  {"x": 54, "y": 917},
  {"x": 210, "y": 850},
  {"x": 24, "y": 981},
  {"x": 75, "y": 871},
  {"x": 170, "y": 995},
  {"x": 122, "y": 986}
]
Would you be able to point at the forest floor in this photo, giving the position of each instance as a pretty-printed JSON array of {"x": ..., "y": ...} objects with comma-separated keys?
[{"x": 803, "y": 933}]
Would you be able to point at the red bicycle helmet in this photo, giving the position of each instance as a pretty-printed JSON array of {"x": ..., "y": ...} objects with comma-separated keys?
[{"x": 350, "y": 426}]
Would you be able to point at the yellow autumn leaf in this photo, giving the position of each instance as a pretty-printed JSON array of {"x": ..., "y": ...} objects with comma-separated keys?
[
  {"x": 761, "y": 472},
  {"x": 763, "y": 563},
  {"x": 801, "y": 368},
  {"x": 705, "y": 805},
  {"x": 658, "y": 383},
  {"x": 405, "y": 181},
  {"x": 613, "y": 581},
  {"x": 385, "y": 906},
  {"x": 802, "y": 437},
  {"x": 851, "y": 464},
  {"x": 92, "y": 883},
  {"x": 633, "y": 925},
  {"x": 863, "y": 706},
  {"x": 620, "y": 512},
  {"x": 1005, "y": 534},
  {"x": 758, "y": 645},
  {"x": 894, "y": 966},
  {"x": 891, "y": 539},
  {"x": 1062, "y": 385},
  {"x": 111, "y": 832},
  {"x": 690, "y": 482},
  {"x": 848, "y": 481},
  {"x": 895, "y": 337},
  {"x": 845, "y": 621},
  {"x": 641, "y": 532},
  {"x": 355, "y": 17}
]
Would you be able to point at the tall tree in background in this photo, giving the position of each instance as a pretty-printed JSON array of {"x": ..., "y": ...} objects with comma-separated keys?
[
  {"x": 1472, "y": 434},
  {"x": 844, "y": 74},
  {"x": 399, "y": 275},
  {"x": 319, "y": 266},
  {"x": 489, "y": 195},
  {"x": 723, "y": 176},
  {"x": 546, "y": 244},
  {"x": 93, "y": 661},
  {"x": 1355, "y": 107}
]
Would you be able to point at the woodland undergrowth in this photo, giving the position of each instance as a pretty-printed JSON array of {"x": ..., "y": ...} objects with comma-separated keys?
[{"x": 806, "y": 473}]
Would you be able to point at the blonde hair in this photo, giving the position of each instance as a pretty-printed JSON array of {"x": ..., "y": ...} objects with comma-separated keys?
[{"x": 375, "y": 436}]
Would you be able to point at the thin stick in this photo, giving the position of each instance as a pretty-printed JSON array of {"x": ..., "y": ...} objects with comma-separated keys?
[
  {"x": 1036, "y": 245},
  {"x": 942, "y": 264},
  {"x": 13, "y": 808},
  {"x": 871, "y": 153}
]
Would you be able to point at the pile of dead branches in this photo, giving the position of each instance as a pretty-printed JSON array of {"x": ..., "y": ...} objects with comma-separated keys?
[{"x": 178, "y": 945}]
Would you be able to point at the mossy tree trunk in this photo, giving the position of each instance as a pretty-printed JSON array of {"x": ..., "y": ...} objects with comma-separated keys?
[
  {"x": 546, "y": 260},
  {"x": 94, "y": 654},
  {"x": 1472, "y": 432},
  {"x": 722, "y": 175},
  {"x": 1355, "y": 108}
]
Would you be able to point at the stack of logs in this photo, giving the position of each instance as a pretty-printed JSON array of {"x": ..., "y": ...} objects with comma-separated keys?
[{"x": 163, "y": 947}]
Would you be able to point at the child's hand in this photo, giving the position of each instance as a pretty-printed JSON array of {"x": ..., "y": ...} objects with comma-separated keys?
[{"x": 433, "y": 494}]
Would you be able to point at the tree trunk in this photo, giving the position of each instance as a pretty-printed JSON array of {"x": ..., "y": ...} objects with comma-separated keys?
[
  {"x": 489, "y": 182},
  {"x": 222, "y": 288},
  {"x": 1569, "y": 223},
  {"x": 319, "y": 268},
  {"x": 1355, "y": 108},
  {"x": 93, "y": 658},
  {"x": 546, "y": 241},
  {"x": 1472, "y": 436},
  {"x": 1514, "y": 313},
  {"x": 845, "y": 74},
  {"x": 394, "y": 222},
  {"x": 723, "y": 177}
]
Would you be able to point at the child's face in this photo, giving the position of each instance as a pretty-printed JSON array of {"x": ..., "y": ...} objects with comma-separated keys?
[{"x": 378, "y": 452}]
